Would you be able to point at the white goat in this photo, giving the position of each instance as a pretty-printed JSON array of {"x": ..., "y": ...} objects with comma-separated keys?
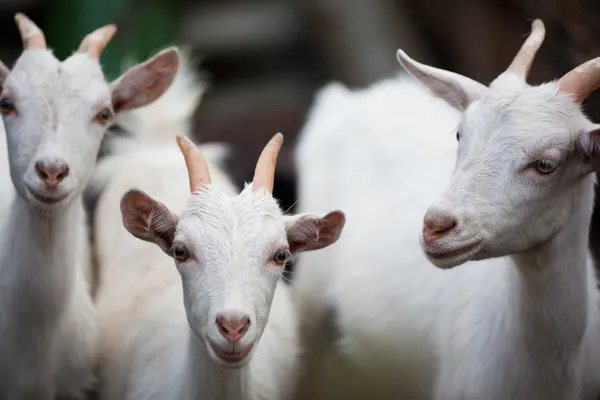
[
  {"x": 223, "y": 341},
  {"x": 521, "y": 323},
  {"x": 55, "y": 115}
]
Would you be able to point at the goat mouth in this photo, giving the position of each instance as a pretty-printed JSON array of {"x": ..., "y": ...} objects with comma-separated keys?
[
  {"x": 231, "y": 357},
  {"x": 454, "y": 256},
  {"x": 46, "y": 199}
]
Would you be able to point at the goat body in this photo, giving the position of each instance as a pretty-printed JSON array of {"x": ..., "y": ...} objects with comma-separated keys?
[
  {"x": 147, "y": 349},
  {"x": 389, "y": 324},
  {"x": 43, "y": 258}
]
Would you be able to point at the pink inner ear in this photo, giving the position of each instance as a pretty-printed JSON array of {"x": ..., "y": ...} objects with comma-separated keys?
[
  {"x": 588, "y": 145},
  {"x": 145, "y": 82},
  {"x": 148, "y": 219},
  {"x": 312, "y": 233}
]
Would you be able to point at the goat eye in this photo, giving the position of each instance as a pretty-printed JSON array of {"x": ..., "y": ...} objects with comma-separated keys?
[
  {"x": 281, "y": 256},
  {"x": 545, "y": 166},
  {"x": 458, "y": 136},
  {"x": 181, "y": 253},
  {"x": 104, "y": 116},
  {"x": 6, "y": 106}
]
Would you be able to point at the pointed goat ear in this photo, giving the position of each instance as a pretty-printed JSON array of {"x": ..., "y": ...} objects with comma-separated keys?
[
  {"x": 145, "y": 82},
  {"x": 148, "y": 219},
  {"x": 587, "y": 147},
  {"x": 306, "y": 232},
  {"x": 457, "y": 90}
]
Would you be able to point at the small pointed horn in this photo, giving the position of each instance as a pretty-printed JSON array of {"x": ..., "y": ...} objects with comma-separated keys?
[
  {"x": 581, "y": 80},
  {"x": 95, "y": 42},
  {"x": 31, "y": 36},
  {"x": 264, "y": 173},
  {"x": 521, "y": 64},
  {"x": 195, "y": 163}
]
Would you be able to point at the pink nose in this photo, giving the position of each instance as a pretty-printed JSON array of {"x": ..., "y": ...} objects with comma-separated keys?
[
  {"x": 51, "y": 174},
  {"x": 437, "y": 227},
  {"x": 232, "y": 328}
]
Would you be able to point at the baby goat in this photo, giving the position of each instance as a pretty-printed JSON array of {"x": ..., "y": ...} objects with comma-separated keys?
[
  {"x": 224, "y": 340},
  {"x": 55, "y": 115},
  {"x": 520, "y": 319}
]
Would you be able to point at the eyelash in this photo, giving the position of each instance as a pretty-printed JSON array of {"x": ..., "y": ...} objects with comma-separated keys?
[{"x": 544, "y": 166}]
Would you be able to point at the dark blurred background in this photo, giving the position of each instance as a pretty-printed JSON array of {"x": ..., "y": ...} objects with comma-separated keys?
[{"x": 264, "y": 59}]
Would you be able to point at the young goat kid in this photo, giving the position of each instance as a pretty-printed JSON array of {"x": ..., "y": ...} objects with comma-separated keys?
[
  {"x": 224, "y": 341},
  {"x": 55, "y": 115},
  {"x": 521, "y": 323}
]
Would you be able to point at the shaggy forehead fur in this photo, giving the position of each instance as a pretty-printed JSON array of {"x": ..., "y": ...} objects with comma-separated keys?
[{"x": 216, "y": 219}]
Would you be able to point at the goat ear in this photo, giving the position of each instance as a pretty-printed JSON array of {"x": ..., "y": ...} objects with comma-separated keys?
[
  {"x": 4, "y": 71},
  {"x": 307, "y": 232},
  {"x": 457, "y": 90},
  {"x": 587, "y": 146},
  {"x": 148, "y": 219},
  {"x": 145, "y": 82}
]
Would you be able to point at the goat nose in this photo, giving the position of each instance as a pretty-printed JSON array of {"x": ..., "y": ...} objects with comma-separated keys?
[
  {"x": 233, "y": 327},
  {"x": 51, "y": 173},
  {"x": 437, "y": 227}
]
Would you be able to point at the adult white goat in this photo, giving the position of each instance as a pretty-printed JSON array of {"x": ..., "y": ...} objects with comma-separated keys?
[
  {"x": 523, "y": 322},
  {"x": 55, "y": 115},
  {"x": 230, "y": 253}
]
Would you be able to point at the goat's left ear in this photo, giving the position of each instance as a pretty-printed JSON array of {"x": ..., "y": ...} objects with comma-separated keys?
[
  {"x": 457, "y": 90},
  {"x": 148, "y": 219},
  {"x": 587, "y": 146},
  {"x": 307, "y": 232},
  {"x": 145, "y": 82}
]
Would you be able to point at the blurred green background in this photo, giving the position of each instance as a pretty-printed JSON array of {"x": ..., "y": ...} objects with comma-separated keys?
[{"x": 155, "y": 25}]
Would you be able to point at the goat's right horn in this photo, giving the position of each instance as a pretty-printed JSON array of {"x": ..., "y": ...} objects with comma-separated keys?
[
  {"x": 31, "y": 35},
  {"x": 264, "y": 173},
  {"x": 195, "y": 162},
  {"x": 581, "y": 81},
  {"x": 521, "y": 64},
  {"x": 95, "y": 42}
]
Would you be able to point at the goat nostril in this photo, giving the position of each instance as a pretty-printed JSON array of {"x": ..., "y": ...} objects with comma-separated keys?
[
  {"x": 39, "y": 168},
  {"x": 51, "y": 174},
  {"x": 233, "y": 328},
  {"x": 439, "y": 227},
  {"x": 63, "y": 172}
]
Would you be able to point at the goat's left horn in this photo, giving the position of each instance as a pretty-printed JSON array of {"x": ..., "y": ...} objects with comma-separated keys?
[
  {"x": 31, "y": 35},
  {"x": 521, "y": 64},
  {"x": 95, "y": 42},
  {"x": 264, "y": 173},
  {"x": 195, "y": 162}
]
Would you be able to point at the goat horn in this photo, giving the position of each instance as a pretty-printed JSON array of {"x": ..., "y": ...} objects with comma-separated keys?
[
  {"x": 196, "y": 164},
  {"x": 521, "y": 64},
  {"x": 581, "y": 80},
  {"x": 31, "y": 35},
  {"x": 264, "y": 173},
  {"x": 95, "y": 42}
]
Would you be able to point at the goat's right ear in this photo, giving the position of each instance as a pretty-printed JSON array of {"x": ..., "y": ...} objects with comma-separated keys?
[
  {"x": 145, "y": 82},
  {"x": 148, "y": 219},
  {"x": 457, "y": 90},
  {"x": 306, "y": 232},
  {"x": 587, "y": 147}
]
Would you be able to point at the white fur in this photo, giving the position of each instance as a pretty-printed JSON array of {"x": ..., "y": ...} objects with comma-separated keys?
[
  {"x": 47, "y": 319},
  {"x": 155, "y": 318},
  {"x": 391, "y": 325}
]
